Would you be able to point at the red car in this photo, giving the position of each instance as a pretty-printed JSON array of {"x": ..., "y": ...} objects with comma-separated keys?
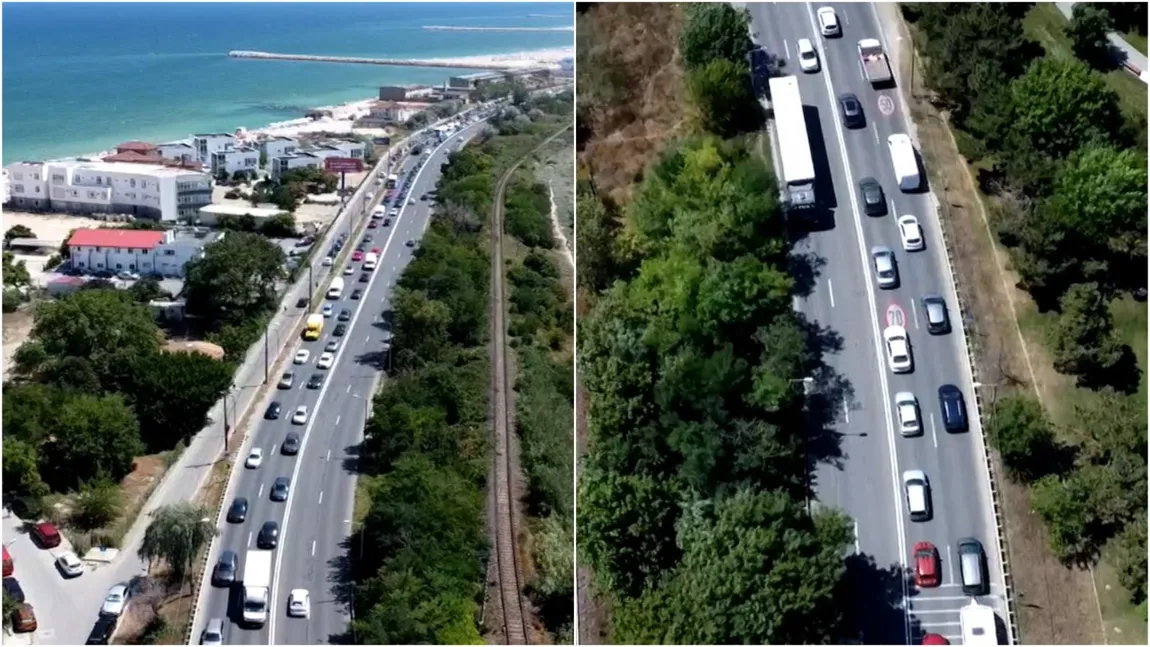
[
  {"x": 357, "y": 255},
  {"x": 375, "y": 250},
  {"x": 372, "y": 224},
  {"x": 926, "y": 566},
  {"x": 934, "y": 639},
  {"x": 46, "y": 535}
]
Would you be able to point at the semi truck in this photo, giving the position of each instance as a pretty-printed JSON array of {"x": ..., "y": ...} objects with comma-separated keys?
[
  {"x": 794, "y": 146},
  {"x": 905, "y": 162},
  {"x": 313, "y": 327},
  {"x": 876, "y": 67},
  {"x": 257, "y": 586},
  {"x": 978, "y": 625},
  {"x": 335, "y": 290}
]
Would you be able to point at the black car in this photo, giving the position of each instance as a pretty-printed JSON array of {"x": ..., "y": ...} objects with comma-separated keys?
[
  {"x": 423, "y": 198},
  {"x": 238, "y": 512},
  {"x": 873, "y": 200},
  {"x": 410, "y": 243},
  {"x": 340, "y": 330},
  {"x": 269, "y": 536},
  {"x": 364, "y": 278},
  {"x": 291, "y": 444},
  {"x": 102, "y": 631},
  {"x": 316, "y": 381},
  {"x": 368, "y": 238},
  {"x": 302, "y": 303},
  {"x": 387, "y": 222},
  {"x": 360, "y": 248},
  {"x": 953, "y": 407},
  {"x": 224, "y": 574},
  {"x": 273, "y": 412},
  {"x": 937, "y": 318},
  {"x": 851, "y": 111},
  {"x": 280, "y": 488},
  {"x": 355, "y": 296},
  {"x": 12, "y": 589},
  {"x": 344, "y": 315}
]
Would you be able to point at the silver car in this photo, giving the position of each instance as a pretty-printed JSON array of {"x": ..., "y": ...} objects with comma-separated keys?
[
  {"x": 885, "y": 268},
  {"x": 213, "y": 632}
]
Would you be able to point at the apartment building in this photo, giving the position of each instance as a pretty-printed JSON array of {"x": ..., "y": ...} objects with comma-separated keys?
[
  {"x": 273, "y": 147},
  {"x": 207, "y": 143},
  {"x": 234, "y": 160},
  {"x": 279, "y": 165},
  {"x": 165, "y": 253}
]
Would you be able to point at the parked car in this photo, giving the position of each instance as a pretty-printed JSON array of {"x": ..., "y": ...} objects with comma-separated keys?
[{"x": 115, "y": 600}]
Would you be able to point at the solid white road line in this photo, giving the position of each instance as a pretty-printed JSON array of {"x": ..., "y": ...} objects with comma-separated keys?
[
  {"x": 320, "y": 498},
  {"x": 914, "y": 313},
  {"x": 949, "y": 564},
  {"x": 831, "y": 289}
]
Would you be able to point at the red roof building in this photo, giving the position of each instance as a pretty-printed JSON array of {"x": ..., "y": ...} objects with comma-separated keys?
[
  {"x": 120, "y": 238},
  {"x": 137, "y": 147}
]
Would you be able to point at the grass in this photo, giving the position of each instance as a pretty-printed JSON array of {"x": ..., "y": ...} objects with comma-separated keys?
[{"x": 1136, "y": 40}]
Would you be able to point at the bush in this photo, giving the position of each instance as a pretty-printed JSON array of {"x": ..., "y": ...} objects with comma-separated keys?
[
  {"x": 53, "y": 262},
  {"x": 1018, "y": 429}
]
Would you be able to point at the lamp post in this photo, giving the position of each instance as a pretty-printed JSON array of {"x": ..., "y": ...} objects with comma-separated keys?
[
  {"x": 808, "y": 390},
  {"x": 227, "y": 424}
]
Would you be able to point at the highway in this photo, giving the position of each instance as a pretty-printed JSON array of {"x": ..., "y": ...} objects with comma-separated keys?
[
  {"x": 315, "y": 520},
  {"x": 862, "y": 456}
]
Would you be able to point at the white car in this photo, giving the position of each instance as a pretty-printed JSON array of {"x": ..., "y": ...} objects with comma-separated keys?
[
  {"x": 808, "y": 57},
  {"x": 301, "y": 356},
  {"x": 299, "y": 604},
  {"x": 326, "y": 360},
  {"x": 328, "y": 309},
  {"x": 115, "y": 600},
  {"x": 327, "y": 261},
  {"x": 348, "y": 271},
  {"x": 907, "y": 407},
  {"x": 917, "y": 489},
  {"x": 300, "y": 415},
  {"x": 829, "y": 22},
  {"x": 911, "y": 233},
  {"x": 331, "y": 346},
  {"x": 69, "y": 564},
  {"x": 255, "y": 458},
  {"x": 898, "y": 355}
]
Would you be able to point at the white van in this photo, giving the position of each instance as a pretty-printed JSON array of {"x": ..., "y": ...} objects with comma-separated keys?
[
  {"x": 905, "y": 163},
  {"x": 335, "y": 291},
  {"x": 370, "y": 261}
]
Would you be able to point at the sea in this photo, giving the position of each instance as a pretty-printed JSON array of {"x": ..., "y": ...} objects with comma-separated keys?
[{"x": 79, "y": 78}]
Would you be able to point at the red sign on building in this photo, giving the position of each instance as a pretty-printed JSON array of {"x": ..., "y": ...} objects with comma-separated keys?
[{"x": 343, "y": 165}]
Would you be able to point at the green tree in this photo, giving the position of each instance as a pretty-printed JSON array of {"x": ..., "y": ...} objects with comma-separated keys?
[
  {"x": 235, "y": 280},
  {"x": 281, "y": 226},
  {"x": 1061, "y": 106},
  {"x": 1085, "y": 343},
  {"x": 1131, "y": 558},
  {"x": 92, "y": 437},
  {"x": 597, "y": 259},
  {"x": 29, "y": 409},
  {"x": 721, "y": 90},
  {"x": 17, "y": 231},
  {"x": 97, "y": 505},
  {"x": 171, "y": 394},
  {"x": 9, "y": 607},
  {"x": 15, "y": 272},
  {"x": 712, "y": 32},
  {"x": 147, "y": 289},
  {"x": 1020, "y": 432},
  {"x": 1089, "y": 25},
  {"x": 176, "y": 535},
  {"x": 21, "y": 468},
  {"x": 1064, "y": 504}
]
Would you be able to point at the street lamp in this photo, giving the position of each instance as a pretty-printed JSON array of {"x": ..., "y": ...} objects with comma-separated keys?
[{"x": 808, "y": 390}]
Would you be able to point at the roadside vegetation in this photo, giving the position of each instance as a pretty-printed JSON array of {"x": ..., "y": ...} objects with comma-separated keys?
[
  {"x": 1055, "y": 137},
  {"x": 425, "y": 456},
  {"x": 692, "y": 493}
]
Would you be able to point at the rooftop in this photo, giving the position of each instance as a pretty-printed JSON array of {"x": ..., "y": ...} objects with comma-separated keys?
[
  {"x": 241, "y": 210},
  {"x": 214, "y": 135},
  {"x": 129, "y": 238},
  {"x": 159, "y": 169},
  {"x": 136, "y": 146}
]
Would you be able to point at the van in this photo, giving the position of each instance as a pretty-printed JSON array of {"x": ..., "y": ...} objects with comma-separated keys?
[
  {"x": 972, "y": 566},
  {"x": 902, "y": 156}
]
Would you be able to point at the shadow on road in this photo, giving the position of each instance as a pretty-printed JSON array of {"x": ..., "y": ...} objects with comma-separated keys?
[{"x": 872, "y": 601}]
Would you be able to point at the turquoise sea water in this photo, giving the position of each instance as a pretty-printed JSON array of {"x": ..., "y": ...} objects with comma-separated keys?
[{"x": 82, "y": 77}]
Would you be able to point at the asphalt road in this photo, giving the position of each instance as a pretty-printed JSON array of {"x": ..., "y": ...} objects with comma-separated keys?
[
  {"x": 315, "y": 521},
  {"x": 861, "y": 455}
]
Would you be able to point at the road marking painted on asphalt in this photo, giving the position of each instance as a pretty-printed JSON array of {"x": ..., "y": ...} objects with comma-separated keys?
[
  {"x": 831, "y": 289},
  {"x": 348, "y": 389},
  {"x": 914, "y": 313},
  {"x": 893, "y": 209},
  {"x": 885, "y": 105},
  {"x": 857, "y": 549},
  {"x": 874, "y": 131},
  {"x": 787, "y": 48},
  {"x": 934, "y": 433},
  {"x": 261, "y": 494},
  {"x": 963, "y": 598},
  {"x": 249, "y": 540},
  {"x": 337, "y": 421},
  {"x": 936, "y": 611},
  {"x": 895, "y": 316},
  {"x": 320, "y": 498},
  {"x": 846, "y": 411},
  {"x": 328, "y": 457},
  {"x": 949, "y": 564},
  {"x": 941, "y": 624}
]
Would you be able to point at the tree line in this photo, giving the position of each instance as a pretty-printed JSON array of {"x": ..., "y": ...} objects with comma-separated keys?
[{"x": 1065, "y": 168}]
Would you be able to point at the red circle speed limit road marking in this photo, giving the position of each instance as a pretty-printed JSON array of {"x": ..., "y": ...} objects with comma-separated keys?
[
  {"x": 885, "y": 105},
  {"x": 895, "y": 316}
]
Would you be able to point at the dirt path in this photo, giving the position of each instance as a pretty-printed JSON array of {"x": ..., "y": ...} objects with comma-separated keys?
[{"x": 557, "y": 230}]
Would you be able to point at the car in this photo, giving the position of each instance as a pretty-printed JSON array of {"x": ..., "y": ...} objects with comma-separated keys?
[
  {"x": 873, "y": 199},
  {"x": 340, "y": 330},
  {"x": 357, "y": 295},
  {"x": 46, "y": 535},
  {"x": 280, "y": 488},
  {"x": 316, "y": 381},
  {"x": 953, "y": 407},
  {"x": 367, "y": 238},
  {"x": 375, "y": 250},
  {"x": 365, "y": 277},
  {"x": 13, "y": 590},
  {"x": 934, "y": 639},
  {"x": 328, "y": 261},
  {"x": 328, "y": 310},
  {"x": 357, "y": 255},
  {"x": 290, "y": 446},
  {"x": 898, "y": 354},
  {"x": 255, "y": 458},
  {"x": 23, "y": 618},
  {"x": 917, "y": 489},
  {"x": 269, "y": 535},
  {"x": 69, "y": 565},
  {"x": 972, "y": 567},
  {"x": 331, "y": 346},
  {"x": 808, "y": 57},
  {"x": 410, "y": 201},
  {"x": 345, "y": 315},
  {"x": 410, "y": 243},
  {"x": 301, "y": 356},
  {"x": 885, "y": 267},
  {"x": 906, "y": 405},
  {"x": 394, "y": 212},
  {"x": 927, "y": 573},
  {"x": 851, "y": 111},
  {"x": 325, "y": 360},
  {"x": 102, "y": 631},
  {"x": 286, "y": 380},
  {"x": 301, "y": 303},
  {"x": 238, "y": 511},
  {"x": 829, "y": 22},
  {"x": 213, "y": 632},
  {"x": 387, "y": 222},
  {"x": 273, "y": 412},
  {"x": 299, "y": 605},
  {"x": 348, "y": 270},
  {"x": 423, "y": 198},
  {"x": 300, "y": 415},
  {"x": 911, "y": 234},
  {"x": 226, "y": 568},
  {"x": 372, "y": 224},
  {"x": 937, "y": 318}
]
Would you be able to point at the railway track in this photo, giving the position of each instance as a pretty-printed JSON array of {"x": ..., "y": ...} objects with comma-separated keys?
[{"x": 504, "y": 501}]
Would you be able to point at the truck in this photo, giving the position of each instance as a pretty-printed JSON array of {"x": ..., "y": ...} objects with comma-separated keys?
[
  {"x": 794, "y": 146},
  {"x": 335, "y": 290},
  {"x": 978, "y": 624},
  {"x": 905, "y": 162},
  {"x": 370, "y": 260},
  {"x": 257, "y": 586},
  {"x": 876, "y": 67},
  {"x": 313, "y": 327}
]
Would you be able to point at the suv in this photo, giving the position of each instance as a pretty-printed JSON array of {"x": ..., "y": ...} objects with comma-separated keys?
[
  {"x": 937, "y": 319},
  {"x": 972, "y": 566},
  {"x": 873, "y": 200},
  {"x": 102, "y": 632},
  {"x": 851, "y": 111},
  {"x": 953, "y": 407}
]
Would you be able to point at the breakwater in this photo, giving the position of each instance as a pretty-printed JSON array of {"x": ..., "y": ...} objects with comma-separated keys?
[{"x": 400, "y": 62}]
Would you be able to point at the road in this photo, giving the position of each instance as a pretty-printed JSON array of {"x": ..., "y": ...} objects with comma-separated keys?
[
  {"x": 315, "y": 521},
  {"x": 861, "y": 457}
]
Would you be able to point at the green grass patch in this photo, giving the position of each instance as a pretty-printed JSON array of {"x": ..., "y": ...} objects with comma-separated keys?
[{"x": 1136, "y": 40}]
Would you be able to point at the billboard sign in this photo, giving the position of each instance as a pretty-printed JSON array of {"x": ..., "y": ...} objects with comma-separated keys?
[{"x": 343, "y": 165}]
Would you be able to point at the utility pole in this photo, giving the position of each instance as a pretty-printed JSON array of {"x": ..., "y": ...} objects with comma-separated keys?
[
  {"x": 267, "y": 350},
  {"x": 227, "y": 425}
]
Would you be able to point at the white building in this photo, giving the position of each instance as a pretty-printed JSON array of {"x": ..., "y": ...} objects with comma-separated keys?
[
  {"x": 148, "y": 191},
  {"x": 279, "y": 165},
  {"x": 233, "y": 160},
  {"x": 394, "y": 112},
  {"x": 207, "y": 143},
  {"x": 182, "y": 151},
  {"x": 273, "y": 147},
  {"x": 133, "y": 250},
  {"x": 210, "y": 214}
]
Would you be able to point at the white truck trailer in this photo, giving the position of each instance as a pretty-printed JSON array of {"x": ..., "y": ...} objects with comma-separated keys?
[
  {"x": 876, "y": 66},
  {"x": 978, "y": 625},
  {"x": 905, "y": 163},
  {"x": 257, "y": 586},
  {"x": 794, "y": 146}
]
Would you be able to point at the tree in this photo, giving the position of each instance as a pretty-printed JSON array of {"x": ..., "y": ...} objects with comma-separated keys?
[
  {"x": 1085, "y": 343},
  {"x": 17, "y": 231},
  {"x": 147, "y": 289},
  {"x": 15, "y": 272},
  {"x": 1089, "y": 25},
  {"x": 97, "y": 505},
  {"x": 1019, "y": 430},
  {"x": 92, "y": 437},
  {"x": 597, "y": 258},
  {"x": 722, "y": 92},
  {"x": 21, "y": 470},
  {"x": 279, "y": 226},
  {"x": 1061, "y": 106},
  {"x": 1131, "y": 558},
  {"x": 176, "y": 534},
  {"x": 172, "y": 393},
  {"x": 235, "y": 280},
  {"x": 713, "y": 32}
]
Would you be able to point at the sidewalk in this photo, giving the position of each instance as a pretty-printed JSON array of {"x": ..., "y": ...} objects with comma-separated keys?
[{"x": 1133, "y": 58}]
